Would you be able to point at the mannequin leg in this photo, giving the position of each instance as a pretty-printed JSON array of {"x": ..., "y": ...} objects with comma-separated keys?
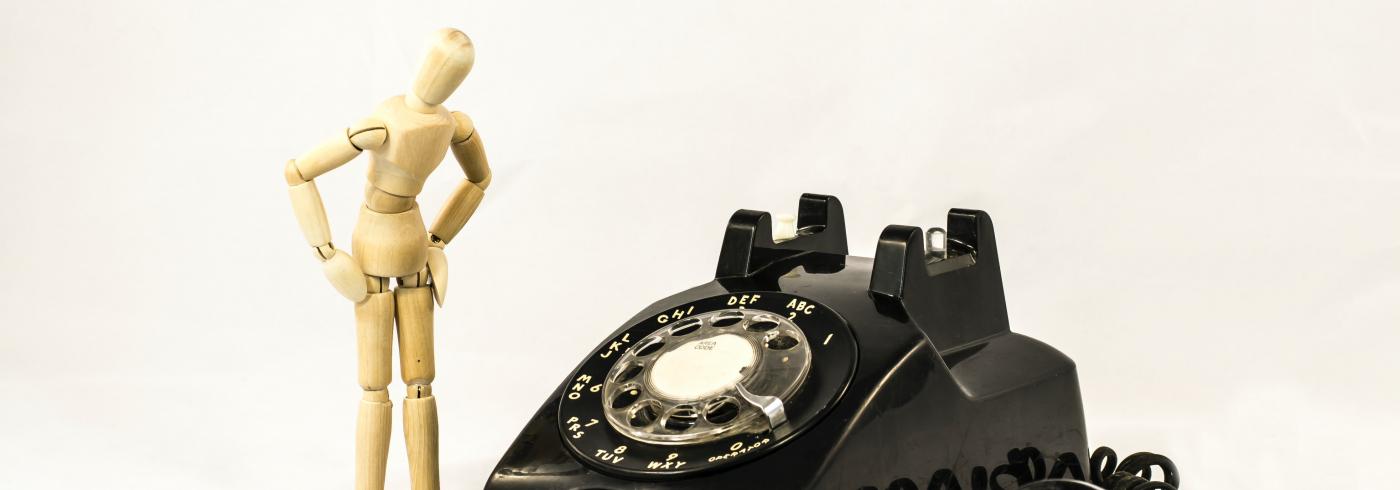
[
  {"x": 414, "y": 302},
  {"x": 374, "y": 326}
]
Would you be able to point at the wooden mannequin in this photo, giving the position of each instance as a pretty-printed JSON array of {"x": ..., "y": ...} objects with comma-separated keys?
[{"x": 407, "y": 137}]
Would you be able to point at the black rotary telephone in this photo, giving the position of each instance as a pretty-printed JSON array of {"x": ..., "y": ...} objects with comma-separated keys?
[{"x": 800, "y": 366}]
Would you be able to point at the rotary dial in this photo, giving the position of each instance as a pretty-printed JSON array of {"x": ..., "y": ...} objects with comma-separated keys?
[
  {"x": 707, "y": 376},
  {"x": 706, "y": 384}
]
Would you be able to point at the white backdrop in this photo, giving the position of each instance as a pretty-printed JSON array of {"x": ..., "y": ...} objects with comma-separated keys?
[{"x": 1195, "y": 200}]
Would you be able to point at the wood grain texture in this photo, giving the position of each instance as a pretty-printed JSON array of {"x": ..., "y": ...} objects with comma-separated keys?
[
  {"x": 310, "y": 213},
  {"x": 374, "y": 332},
  {"x": 465, "y": 127},
  {"x": 372, "y": 439},
  {"x": 368, "y": 134},
  {"x": 390, "y": 244},
  {"x": 345, "y": 276},
  {"x": 448, "y": 61},
  {"x": 384, "y": 202},
  {"x": 420, "y": 433},
  {"x": 470, "y": 152},
  {"x": 329, "y": 155},
  {"x": 459, "y": 207},
  {"x": 414, "y": 310},
  {"x": 437, "y": 272},
  {"x": 416, "y": 145}
]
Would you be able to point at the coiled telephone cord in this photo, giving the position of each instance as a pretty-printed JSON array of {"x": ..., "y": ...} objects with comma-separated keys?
[
  {"x": 1027, "y": 466},
  {"x": 1134, "y": 473}
]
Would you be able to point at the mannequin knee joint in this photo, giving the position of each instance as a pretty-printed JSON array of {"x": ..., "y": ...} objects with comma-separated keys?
[
  {"x": 379, "y": 395},
  {"x": 419, "y": 391}
]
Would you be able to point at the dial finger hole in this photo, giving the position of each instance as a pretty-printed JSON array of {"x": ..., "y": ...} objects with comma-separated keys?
[
  {"x": 626, "y": 396},
  {"x": 680, "y": 418},
  {"x": 643, "y": 414},
  {"x": 761, "y": 324},
  {"x": 649, "y": 348},
  {"x": 631, "y": 371},
  {"x": 721, "y": 410},
  {"x": 685, "y": 328},
  {"x": 782, "y": 341},
  {"x": 727, "y": 319}
]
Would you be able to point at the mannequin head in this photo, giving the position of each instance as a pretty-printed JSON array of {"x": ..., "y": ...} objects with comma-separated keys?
[{"x": 448, "y": 60}]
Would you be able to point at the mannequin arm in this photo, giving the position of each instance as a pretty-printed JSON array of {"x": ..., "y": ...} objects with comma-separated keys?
[
  {"x": 467, "y": 149},
  {"x": 327, "y": 156},
  {"x": 340, "y": 268}
]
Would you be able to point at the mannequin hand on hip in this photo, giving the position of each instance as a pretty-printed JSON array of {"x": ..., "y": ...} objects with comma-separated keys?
[{"x": 345, "y": 275}]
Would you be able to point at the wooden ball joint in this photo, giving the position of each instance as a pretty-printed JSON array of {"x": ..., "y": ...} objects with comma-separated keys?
[{"x": 406, "y": 137}]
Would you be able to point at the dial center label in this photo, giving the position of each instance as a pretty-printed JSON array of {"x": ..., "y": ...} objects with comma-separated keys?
[{"x": 701, "y": 368}]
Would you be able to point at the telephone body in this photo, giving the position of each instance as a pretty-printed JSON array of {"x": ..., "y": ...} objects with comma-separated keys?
[{"x": 800, "y": 366}]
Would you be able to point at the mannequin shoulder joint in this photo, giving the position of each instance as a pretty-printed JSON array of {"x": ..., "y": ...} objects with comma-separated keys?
[
  {"x": 465, "y": 127},
  {"x": 367, "y": 134}
]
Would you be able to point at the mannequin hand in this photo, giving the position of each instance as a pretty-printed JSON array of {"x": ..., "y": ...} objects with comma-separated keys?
[
  {"x": 437, "y": 268},
  {"x": 345, "y": 276}
]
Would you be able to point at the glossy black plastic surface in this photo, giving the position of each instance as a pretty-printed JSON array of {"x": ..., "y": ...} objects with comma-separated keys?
[{"x": 940, "y": 383}]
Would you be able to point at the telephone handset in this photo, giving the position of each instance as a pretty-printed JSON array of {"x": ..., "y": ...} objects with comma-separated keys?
[{"x": 800, "y": 366}]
